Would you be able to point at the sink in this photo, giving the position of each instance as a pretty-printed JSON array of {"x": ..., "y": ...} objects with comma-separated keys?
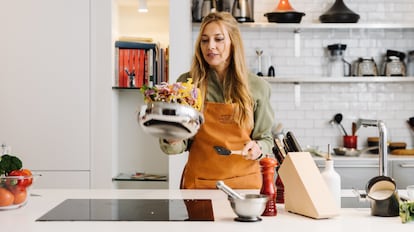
[{"x": 354, "y": 202}]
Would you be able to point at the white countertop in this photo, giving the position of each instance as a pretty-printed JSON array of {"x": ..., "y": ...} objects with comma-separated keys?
[{"x": 24, "y": 218}]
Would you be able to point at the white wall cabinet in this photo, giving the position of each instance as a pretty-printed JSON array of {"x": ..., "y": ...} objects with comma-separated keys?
[{"x": 45, "y": 86}]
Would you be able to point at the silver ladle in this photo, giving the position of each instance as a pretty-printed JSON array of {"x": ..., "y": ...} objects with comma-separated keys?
[{"x": 338, "y": 119}]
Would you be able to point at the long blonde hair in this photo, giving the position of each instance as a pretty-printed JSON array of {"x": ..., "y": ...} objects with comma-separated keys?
[{"x": 235, "y": 85}]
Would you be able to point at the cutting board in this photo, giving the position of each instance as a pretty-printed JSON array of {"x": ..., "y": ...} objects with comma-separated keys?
[
  {"x": 403, "y": 152},
  {"x": 306, "y": 192}
]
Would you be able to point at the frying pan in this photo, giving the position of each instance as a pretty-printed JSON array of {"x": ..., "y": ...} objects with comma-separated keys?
[{"x": 170, "y": 120}]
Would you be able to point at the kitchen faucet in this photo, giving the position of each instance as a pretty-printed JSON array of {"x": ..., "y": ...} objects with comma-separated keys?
[{"x": 383, "y": 152}]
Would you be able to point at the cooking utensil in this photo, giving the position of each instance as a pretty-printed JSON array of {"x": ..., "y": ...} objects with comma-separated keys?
[
  {"x": 354, "y": 128},
  {"x": 338, "y": 119},
  {"x": 293, "y": 143},
  {"x": 279, "y": 151},
  {"x": 284, "y": 17},
  {"x": 282, "y": 150},
  {"x": 365, "y": 67},
  {"x": 394, "y": 63},
  {"x": 338, "y": 66},
  {"x": 229, "y": 191},
  {"x": 343, "y": 151},
  {"x": 169, "y": 120},
  {"x": 242, "y": 10},
  {"x": 205, "y": 8},
  {"x": 284, "y": 13},
  {"x": 250, "y": 208},
  {"x": 403, "y": 152},
  {"x": 224, "y": 151},
  {"x": 339, "y": 13},
  {"x": 382, "y": 190}
]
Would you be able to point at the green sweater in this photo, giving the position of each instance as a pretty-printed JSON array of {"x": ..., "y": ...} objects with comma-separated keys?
[{"x": 263, "y": 112}]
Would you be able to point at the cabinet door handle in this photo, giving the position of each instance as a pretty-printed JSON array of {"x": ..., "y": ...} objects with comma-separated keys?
[
  {"x": 352, "y": 166},
  {"x": 407, "y": 165}
]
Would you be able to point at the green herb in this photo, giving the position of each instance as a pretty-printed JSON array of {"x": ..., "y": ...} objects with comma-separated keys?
[
  {"x": 9, "y": 163},
  {"x": 407, "y": 211}
]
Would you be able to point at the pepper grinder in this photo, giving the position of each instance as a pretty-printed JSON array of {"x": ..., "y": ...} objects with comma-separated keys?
[{"x": 268, "y": 165}]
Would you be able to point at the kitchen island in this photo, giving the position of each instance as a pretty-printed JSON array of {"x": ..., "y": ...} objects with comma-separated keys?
[{"x": 43, "y": 200}]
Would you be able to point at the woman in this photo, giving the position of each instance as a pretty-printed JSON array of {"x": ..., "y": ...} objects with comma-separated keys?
[{"x": 236, "y": 110}]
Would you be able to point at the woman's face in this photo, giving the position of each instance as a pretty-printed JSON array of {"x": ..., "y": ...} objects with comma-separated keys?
[{"x": 216, "y": 46}]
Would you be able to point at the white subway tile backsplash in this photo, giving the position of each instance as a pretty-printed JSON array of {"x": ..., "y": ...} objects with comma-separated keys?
[{"x": 319, "y": 102}]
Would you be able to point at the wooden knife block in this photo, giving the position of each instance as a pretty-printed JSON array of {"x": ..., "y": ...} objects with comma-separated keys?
[{"x": 306, "y": 192}]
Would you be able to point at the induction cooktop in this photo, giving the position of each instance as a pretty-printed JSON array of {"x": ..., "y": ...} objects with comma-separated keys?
[{"x": 131, "y": 210}]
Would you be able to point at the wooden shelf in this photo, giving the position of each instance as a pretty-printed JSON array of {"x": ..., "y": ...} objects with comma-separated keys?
[{"x": 128, "y": 88}]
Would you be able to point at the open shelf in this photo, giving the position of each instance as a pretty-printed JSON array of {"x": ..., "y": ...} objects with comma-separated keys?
[
  {"x": 324, "y": 25},
  {"x": 329, "y": 25},
  {"x": 338, "y": 79}
]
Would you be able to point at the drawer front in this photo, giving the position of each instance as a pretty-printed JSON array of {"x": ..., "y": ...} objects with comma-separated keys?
[{"x": 403, "y": 173}]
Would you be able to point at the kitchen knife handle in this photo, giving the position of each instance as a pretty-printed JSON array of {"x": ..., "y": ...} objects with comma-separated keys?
[{"x": 293, "y": 142}]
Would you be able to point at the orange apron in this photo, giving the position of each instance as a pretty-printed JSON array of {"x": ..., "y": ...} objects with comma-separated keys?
[{"x": 205, "y": 166}]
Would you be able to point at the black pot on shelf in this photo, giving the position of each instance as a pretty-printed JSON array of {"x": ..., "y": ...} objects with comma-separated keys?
[
  {"x": 339, "y": 13},
  {"x": 284, "y": 17}
]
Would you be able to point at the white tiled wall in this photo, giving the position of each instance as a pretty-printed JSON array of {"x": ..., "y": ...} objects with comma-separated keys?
[{"x": 319, "y": 102}]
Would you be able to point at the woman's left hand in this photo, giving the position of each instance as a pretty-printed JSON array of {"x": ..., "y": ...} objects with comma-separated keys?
[{"x": 252, "y": 150}]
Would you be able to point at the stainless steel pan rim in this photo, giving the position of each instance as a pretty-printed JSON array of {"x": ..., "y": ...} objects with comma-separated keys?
[{"x": 170, "y": 120}]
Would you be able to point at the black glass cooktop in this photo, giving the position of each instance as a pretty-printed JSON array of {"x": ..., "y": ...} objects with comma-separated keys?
[{"x": 131, "y": 210}]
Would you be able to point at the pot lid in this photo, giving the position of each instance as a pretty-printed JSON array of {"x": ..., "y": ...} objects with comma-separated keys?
[
  {"x": 339, "y": 13},
  {"x": 337, "y": 46},
  {"x": 284, "y": 6},
  {"x": 400, "y": 55}
]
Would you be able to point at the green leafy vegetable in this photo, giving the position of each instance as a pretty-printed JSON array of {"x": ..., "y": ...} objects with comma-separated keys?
[
  {"x": 9, "y": 163},
  {"x": 407, "y": 211}
]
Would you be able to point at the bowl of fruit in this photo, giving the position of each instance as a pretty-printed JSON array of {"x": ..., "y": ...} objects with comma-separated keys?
[{"x": 15, "y": 183}]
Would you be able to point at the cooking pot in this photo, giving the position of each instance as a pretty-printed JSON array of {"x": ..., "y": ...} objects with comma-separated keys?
[
  {"x": 384, "y": 196},
  {"x": 284, "y": 17},
  {"x": 170, "y": 120}
]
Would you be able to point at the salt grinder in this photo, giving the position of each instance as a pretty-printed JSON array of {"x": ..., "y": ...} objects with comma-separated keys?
[
  {"x": 280, "y": 190},
  {"x": 268, "y": 166}
]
